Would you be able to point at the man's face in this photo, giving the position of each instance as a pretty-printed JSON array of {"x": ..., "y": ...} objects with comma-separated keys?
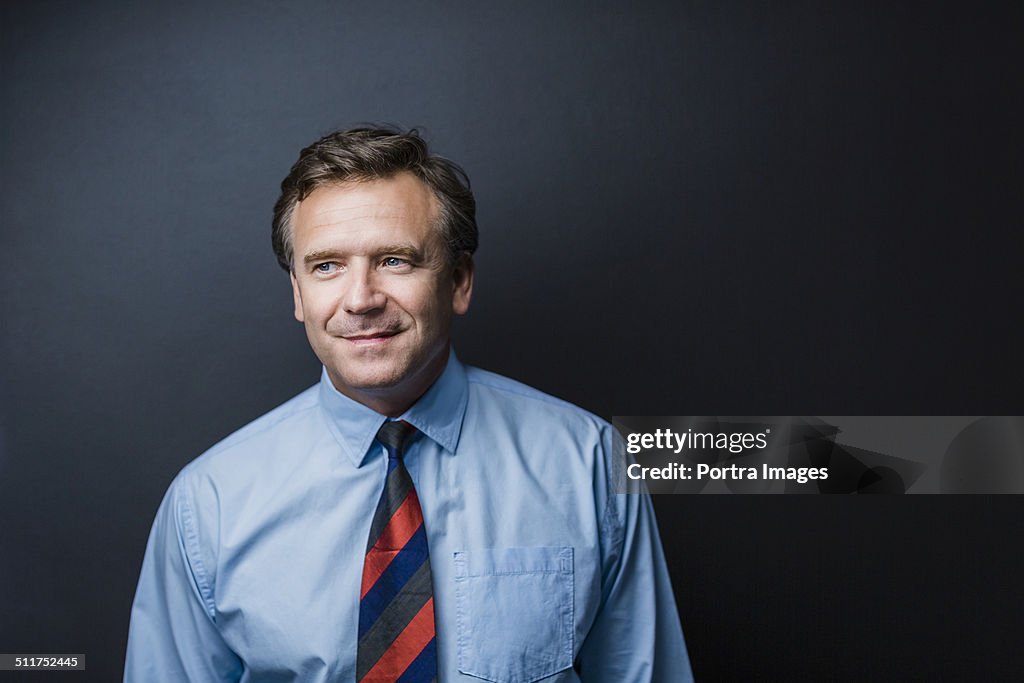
[{"x": 374, "y": 289}]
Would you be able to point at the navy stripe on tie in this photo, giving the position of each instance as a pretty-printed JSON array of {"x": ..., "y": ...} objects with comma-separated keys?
[
  {"x": 423, "y": 667},
  {"x": 399, "y": 613},
  {"x": 398, "y": 573}
]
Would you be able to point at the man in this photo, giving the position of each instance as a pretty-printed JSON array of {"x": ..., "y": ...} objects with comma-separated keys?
[{"x": 408, "y": 518}]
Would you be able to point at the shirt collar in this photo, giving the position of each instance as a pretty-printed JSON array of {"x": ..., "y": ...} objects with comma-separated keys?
[{"x": 438, "y": 413}]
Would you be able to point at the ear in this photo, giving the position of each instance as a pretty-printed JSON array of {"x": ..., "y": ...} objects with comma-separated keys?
[
  {"x": 462, "y": 283},
  {"x": 297, "y": 296}
]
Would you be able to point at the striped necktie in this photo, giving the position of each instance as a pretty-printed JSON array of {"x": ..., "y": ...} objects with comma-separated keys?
[{"x": 396, "y": 607}]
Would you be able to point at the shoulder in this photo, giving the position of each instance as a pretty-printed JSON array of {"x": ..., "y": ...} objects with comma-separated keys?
[
  {"x": 492, "y": 386},
  {"x": 267, "y": 425},
  {"x": 262, "y": 443},
  {"x": 494, "y": 395}
]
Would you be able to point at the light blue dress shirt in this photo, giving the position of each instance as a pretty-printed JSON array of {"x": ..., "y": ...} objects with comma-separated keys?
[{"x": 253, "y": 567}]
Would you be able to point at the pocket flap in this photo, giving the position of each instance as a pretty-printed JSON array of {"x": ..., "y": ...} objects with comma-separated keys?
[{"x": 498, "y": 561}]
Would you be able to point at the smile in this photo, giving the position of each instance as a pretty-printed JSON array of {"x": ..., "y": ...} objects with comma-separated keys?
[{"x": 370, "y": 338}]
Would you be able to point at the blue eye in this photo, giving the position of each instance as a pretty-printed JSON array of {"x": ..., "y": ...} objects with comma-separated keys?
[
  {"x": 394, "y": 262},
  {"x": 326, "y": 267}
]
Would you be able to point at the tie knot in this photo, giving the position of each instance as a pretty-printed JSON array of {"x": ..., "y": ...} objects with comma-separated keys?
[{"x": 396, "y": 435}]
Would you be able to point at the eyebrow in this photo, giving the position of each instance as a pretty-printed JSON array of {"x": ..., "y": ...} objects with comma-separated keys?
[
  {"x": 320, "y": 255},
  {"x": 406, "y": 250},
  {"x": 403, "y": 250}
]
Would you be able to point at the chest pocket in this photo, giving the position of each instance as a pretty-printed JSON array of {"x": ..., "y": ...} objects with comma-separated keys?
[{"x": 514, "y": 612}]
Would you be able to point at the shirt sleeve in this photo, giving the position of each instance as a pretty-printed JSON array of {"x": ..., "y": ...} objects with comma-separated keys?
[
  {"x": 636, "y": 635},
  {"x": 173, "y": 635}
]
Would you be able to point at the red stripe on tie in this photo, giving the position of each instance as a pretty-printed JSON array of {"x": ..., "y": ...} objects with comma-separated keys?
[
  {"x": 406, "y": 648},
  {"x": 400, "y": 528}
]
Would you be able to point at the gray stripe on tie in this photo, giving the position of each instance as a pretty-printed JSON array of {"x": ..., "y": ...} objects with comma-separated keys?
[
  {"x": 396, "y": 489},
  {"x": 393, "y": 620}
]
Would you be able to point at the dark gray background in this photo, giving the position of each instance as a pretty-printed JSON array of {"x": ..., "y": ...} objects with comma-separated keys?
[{"x": 686, "y": 208}]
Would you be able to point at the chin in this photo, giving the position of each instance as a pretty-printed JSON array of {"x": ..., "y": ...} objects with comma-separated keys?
[{"x": 371, "y": 379}]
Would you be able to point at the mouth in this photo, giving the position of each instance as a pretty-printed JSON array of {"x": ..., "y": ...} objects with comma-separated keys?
[{"x": 371, "y": 338}]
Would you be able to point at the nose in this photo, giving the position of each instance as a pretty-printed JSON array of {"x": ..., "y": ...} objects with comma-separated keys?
[{"x": 362, "y": 293}]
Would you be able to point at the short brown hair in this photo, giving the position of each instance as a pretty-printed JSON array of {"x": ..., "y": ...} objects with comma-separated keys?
[{"x": 363, "y": 154}]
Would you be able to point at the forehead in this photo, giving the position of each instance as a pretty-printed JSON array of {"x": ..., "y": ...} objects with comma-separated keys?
[{"x": 398, "y": 208}]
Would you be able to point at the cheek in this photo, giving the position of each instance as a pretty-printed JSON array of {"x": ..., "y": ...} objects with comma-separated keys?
[
  {"x": 318, "y": 303},
  {"x": 413, "y": 297},
  {"x": 431, "y": 307}
]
